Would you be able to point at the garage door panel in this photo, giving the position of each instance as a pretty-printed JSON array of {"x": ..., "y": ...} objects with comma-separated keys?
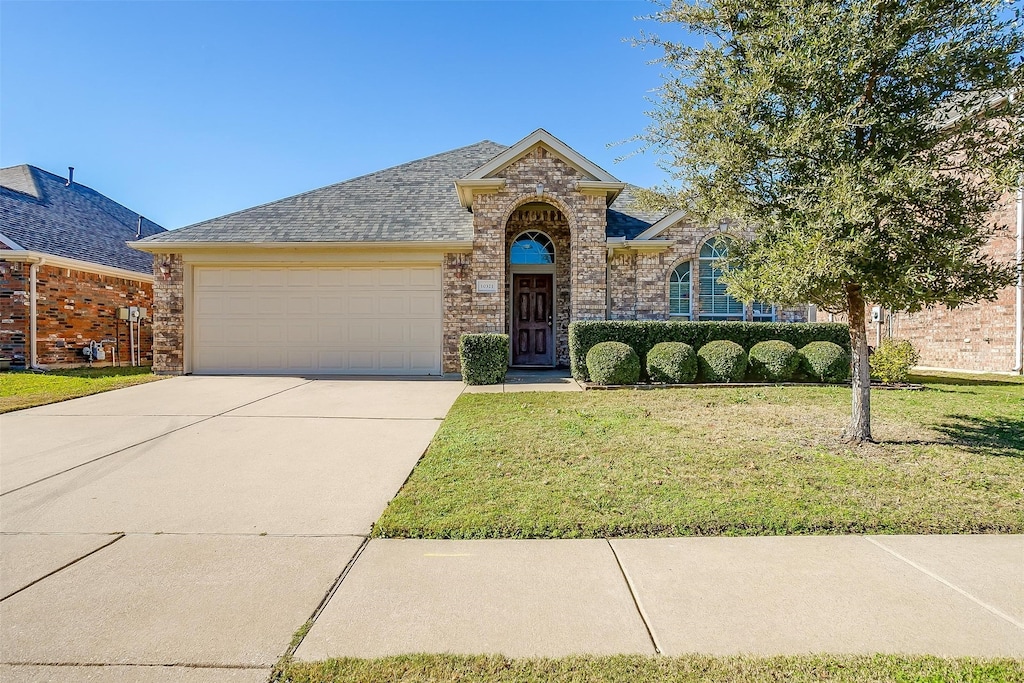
[
  {"x": 361, "y": 277},
  {"x": 425, "y": 278},
  {"x": 342, "y": 320},
  {"x": 240, "y": 277},
  {"x": 330, "y": 304}
]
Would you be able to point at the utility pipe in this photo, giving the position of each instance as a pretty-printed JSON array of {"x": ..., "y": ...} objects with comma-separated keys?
[
  {"x": 1018, "y": 348},
  {"x": 33, "y": 333}
]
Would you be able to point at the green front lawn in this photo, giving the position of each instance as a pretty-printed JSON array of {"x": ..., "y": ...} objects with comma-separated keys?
[
  {"x": 733, "y": 461},
  {"x": 639, "y": 669},
  {"x": 26, "y": 389}
]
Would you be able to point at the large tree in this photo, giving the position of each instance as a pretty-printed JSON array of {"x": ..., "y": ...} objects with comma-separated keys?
[{"x": 864, "y": 141}]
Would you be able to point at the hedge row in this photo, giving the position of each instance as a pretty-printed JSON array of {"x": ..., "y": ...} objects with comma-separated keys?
[
  {"x": 720, "y": 361},
  {"x": 643, "y": 335}
]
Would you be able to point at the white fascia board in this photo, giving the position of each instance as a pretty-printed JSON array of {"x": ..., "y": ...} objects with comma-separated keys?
[
  {"x": 467, "y": 188},
  {"x": 11, "y": 244},
  {"x": 601, "y": 188},
  {"x": 662, "y": 225},
  {"x": 25, "y": 256},
  {"x": 621, "y": 244},
  {"x": 541, "y": 136},
  {"x": 179, "y": 247}
]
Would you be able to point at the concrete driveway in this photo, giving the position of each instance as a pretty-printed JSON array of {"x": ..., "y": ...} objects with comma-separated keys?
[{"x": 194, "y": 522}]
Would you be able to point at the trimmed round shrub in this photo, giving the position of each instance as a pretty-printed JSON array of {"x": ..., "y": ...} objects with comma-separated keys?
[
  {"x": 484, "y": 358},
  {"x": 672, "y": 363},
  {"x": 824, "y": 361},
  {"x": 613, "y": 363},
  {"x": 773, "y": 361},
  {"x": 722, "y": 361},
  {"x": 892, "y": 360}
]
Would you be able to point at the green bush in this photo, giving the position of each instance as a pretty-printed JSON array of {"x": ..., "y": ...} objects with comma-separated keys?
[
  {"x": 484, "y": 358},
  {"x": 824, "y": 361},
  {"x": 643, "y": 335},
  {"x": 672, "y": 363},
  {"x": 892, "y": 360},
  {"x": 722, "y": 361},
  {"x": 613, "y": 363},
  {"x": 773, "y": 361}
]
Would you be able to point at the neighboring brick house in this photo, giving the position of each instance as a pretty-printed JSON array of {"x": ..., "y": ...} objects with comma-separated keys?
[
  {"x": 383, "y": 273},
  {"x": 66, "y": 270},
  {"x": 984, "y": 337}
]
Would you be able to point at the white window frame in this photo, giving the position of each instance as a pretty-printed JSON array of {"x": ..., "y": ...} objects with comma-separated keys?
[
  {"x": 708, "y": 262},
  {"x": 689, "y": 294}
]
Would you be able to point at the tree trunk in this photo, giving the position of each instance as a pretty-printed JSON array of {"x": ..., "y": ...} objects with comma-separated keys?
[{"x": 859, "y": 429}]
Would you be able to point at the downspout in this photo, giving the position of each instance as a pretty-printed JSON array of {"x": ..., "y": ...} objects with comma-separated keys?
[
  {"x": 33, "y": 333},
  {"x": 1018, "y": 348}
]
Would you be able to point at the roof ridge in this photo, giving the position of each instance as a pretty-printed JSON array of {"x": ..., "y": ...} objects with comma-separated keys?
[{"x": 341, "y": 182}]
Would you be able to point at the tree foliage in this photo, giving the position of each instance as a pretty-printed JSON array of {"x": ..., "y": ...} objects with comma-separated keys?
[{"x": 865, "y": 140}]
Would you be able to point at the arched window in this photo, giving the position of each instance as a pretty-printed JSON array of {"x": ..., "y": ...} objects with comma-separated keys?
[
  {"x": 714, "y": 302},
  {"x": 679, "y": 291},
  {"x": 532, "y": 248}
]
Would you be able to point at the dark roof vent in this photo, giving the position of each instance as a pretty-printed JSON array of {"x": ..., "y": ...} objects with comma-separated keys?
[{"x": 71, "y": 176}]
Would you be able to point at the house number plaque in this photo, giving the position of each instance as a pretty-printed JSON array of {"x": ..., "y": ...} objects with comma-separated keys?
[{"x": 487, "y": 286}]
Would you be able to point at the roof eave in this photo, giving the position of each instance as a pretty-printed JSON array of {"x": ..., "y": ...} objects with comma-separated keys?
[
  {"x": 42, "y": 258},
  {"x": 662, "y": 225},
  {"x": 171, "y": 247}
]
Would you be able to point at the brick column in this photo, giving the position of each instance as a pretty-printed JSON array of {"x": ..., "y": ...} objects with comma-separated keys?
[{"x": 168, "y": 315}]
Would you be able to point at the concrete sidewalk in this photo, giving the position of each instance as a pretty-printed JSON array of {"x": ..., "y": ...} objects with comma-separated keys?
[
  {"x": 527, "y": 379},
  {"x": 940, "y": 595}
]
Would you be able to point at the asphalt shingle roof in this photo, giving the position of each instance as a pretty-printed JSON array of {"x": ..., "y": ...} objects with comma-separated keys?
[
  {"x": 41, "y": 213},
  {"x": 416, "y": 201}
]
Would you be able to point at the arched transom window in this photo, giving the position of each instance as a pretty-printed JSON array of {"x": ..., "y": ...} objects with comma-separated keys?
[
  {"x": 679, "y": 291},
  {"x": 532, "y": 248},
  {"x": 714, "y": 302}
]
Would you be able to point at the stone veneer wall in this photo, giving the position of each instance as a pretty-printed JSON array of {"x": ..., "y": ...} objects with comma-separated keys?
[
  {"x": 73, "y": 307},
  {"x": 169, "y": 315},
  {"x": 457, "y": 305},
  {"x": 586, "y": 217},
  {"x": 640, "y": 280},
  {"x": 584, "y": 213},
  {"x": 549, "y": 220}
]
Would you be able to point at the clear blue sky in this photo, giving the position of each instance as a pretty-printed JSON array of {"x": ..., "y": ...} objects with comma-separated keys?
[{"x": 185, "y": 111}]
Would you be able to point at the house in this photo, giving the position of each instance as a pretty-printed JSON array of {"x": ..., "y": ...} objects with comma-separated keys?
[
  {"x": 985, "y": 337},
  {"x": 67, "y": 275},
  {"x": 382, "y": 274}
]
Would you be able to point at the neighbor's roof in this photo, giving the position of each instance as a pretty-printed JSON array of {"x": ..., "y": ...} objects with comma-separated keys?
[
  {"x": 416, "y": 202},
  {"x": 39, "y": 212}
]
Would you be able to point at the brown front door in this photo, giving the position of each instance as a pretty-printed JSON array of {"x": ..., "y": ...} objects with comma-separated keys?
[{"x": 532, "y": 322}]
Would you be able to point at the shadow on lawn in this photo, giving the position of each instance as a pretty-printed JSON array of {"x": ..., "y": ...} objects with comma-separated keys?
[{"x": 985, "y": 436}]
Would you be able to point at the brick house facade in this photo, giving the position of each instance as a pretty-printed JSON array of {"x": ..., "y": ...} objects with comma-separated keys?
[
  {"x": 357, "y": 264},
  {"x": 984, "y": 337},
  {"x": 65, "y": 244}
]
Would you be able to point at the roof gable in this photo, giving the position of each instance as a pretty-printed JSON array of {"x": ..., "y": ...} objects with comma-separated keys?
[{"x": 554, "y": 145}]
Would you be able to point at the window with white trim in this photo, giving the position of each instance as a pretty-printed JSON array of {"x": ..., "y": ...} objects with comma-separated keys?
[
  {"x": 763, "y": 313},
  {"x": 713, "y": 301},
  {"x": 680, "y": 291}
]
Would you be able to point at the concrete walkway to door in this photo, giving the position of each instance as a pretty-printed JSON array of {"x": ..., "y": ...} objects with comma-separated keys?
[{"x": 184, "y": 529}]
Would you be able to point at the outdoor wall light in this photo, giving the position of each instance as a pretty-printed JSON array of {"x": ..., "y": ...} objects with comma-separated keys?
[{"x": 165, "y": 269}]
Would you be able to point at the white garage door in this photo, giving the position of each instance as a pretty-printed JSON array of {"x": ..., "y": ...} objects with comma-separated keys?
[{"x": 331, "y": 320}]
